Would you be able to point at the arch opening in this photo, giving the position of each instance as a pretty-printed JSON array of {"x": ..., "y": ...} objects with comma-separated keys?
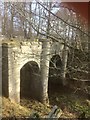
[
  {"x": 29, "y": 80},
  {"x": 55, "y": 68}
]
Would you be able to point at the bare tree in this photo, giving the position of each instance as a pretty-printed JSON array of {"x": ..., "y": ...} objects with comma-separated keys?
[{"x": 41, "y": 22}]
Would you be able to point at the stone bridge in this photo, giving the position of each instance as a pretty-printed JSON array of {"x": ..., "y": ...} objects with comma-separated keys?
[{"x": 21, "y": 67}]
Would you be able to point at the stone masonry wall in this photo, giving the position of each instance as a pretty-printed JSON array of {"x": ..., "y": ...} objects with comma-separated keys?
[{"x": 15, "y": 56}]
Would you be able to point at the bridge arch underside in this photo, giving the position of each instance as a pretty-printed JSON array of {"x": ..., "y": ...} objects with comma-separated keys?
[
  {"x": 30, "y": 80},
  {"x": 55, "y": 68}
]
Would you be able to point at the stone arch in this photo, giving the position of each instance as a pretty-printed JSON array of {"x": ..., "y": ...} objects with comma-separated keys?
[
  {"x": 55, "y": 68},
  {"x": 22, "y": 62},
  {"x": 29, "y": 80}
]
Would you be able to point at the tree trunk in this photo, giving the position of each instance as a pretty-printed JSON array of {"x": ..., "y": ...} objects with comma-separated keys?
[
  {"x": 4, "y": 19},
  {"x": 30, "y": 16},
  {"x": 11, "y": 25},
  {"x": 45, "y": 57},
  {"x": 64, "y": 68}
]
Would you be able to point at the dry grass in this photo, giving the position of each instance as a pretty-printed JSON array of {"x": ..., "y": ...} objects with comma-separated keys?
[
  {"x": 10, "y": 109},
  {"x": 36, "y": 106},
  {"x": 71, "y": 105},
  {"x": 27, "y": 107}
]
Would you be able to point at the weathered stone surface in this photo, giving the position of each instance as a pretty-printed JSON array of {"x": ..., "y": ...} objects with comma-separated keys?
[{"x": 17, "y": 56}]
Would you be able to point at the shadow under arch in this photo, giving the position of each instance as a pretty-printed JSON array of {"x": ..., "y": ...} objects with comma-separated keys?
[
  {"x": 29, "y": 80},
  {"x": 55, "y": 68}
]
